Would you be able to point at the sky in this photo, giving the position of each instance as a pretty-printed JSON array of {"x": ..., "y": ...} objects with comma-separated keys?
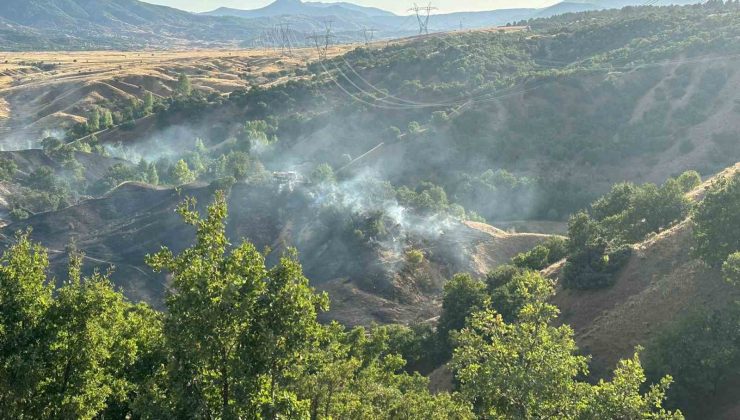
[{"x": 396, "y": 6}]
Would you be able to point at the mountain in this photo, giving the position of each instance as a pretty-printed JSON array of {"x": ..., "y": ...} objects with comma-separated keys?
[
  {"x": 84, "y": 24},
  {"x": 298, "y": 8},
  {"x": 133, "y": 24}
]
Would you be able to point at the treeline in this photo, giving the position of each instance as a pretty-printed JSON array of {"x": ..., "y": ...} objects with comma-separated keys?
[
  {"x": 240, "y": 339},
  {"x": 710, "y": 351},
  {"x": 600, "y": 241}
]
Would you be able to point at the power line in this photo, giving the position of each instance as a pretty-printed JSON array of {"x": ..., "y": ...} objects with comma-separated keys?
[{"x": 422, "y": 16}]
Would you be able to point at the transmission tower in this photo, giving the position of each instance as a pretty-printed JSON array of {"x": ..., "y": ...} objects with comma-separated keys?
[
  {"x": 369, "y": 34},
  {"x": 323, "y": 41},
  {"x": 285, "y": 39},
  {"x": 422, "y": 15}
]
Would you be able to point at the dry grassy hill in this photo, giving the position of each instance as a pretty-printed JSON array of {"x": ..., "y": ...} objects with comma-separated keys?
[
  {"x": 662, "y": 282},
  {"x": 53, "y": 90}
]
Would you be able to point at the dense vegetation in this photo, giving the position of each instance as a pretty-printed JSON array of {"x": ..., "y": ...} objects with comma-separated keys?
[
  {"x": 599, "y": 239},
  {"x": 490, "y": 126},
  {"x": 510, "y": 126},
  {"x": 239, "y": 339}
]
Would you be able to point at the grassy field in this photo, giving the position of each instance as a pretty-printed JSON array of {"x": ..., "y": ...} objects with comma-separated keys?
[{"x": 51, "y": 90}]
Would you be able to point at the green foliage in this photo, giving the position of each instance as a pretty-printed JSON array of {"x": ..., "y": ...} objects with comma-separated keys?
[
  {"x": 731, "y": 269},
  {"x": 323, "y": 174},
  {"x": 65, "y": 355},
  {"x": 233, "y": 325},
  {"x": 530, "y": 369},
  {"x": 599, "y": 240},
  {"x": 689, "y": 180},
  {"x": 7, "y": 169},
  {"x": 351, "y": 374},
  {"x": 463, "y": 295},
  {"x": 521, "y": 370},
  {"x": 114, "y": 176},
  {"x": 93, "y": 121},
  {"x": 541, "y": 256},
  {"x": 701, "y": 350},
  {"x": 181, "y": 173},
  {"x": 516, "y": 289},
  {"x": 717, "y": 221},
  {"x": 107, "y": 121},
  {"x": 183, "y": 87}
]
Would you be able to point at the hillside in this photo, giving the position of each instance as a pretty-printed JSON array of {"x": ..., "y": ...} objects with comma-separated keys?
[
  {"x": 53, "y": 91},
  {"x": 119, "y": 24},
  {"x": 297, "y": 7},
  {"x": 662, "y": 283},
  {"x": 366, "y": 284}
]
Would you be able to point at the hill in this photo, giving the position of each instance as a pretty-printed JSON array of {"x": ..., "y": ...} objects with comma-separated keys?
[
  {"x": 125, "y": 24},
  {"x": 367, "y": 283},
  {"x": 297, "y": 7},
  {"x": 662, "y": 284}
]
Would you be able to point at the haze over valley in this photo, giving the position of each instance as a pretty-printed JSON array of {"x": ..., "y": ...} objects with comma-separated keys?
[{"x": 332, "y": 210}]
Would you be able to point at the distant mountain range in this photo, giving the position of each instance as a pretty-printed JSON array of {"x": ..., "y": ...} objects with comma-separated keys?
[{"x": 131, "y": 24}]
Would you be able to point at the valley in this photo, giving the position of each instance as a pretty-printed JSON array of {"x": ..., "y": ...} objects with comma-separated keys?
[{"x": 525, "y": 221}]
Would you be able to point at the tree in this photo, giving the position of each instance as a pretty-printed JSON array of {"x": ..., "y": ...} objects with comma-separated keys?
[
  {"x": 323, "y": 174},
  {"x": 717, "y": 221},
  {"x": 148, "y": 103},
  {"x": 620, "y": 398},
  {"x": 708, "y": 354},
  {"x": 152, "y": 177},
  {"x": 181, "y": 173},
  {"x": 184, "y": 87},
  {"x": 689, "y": 180},
  {"x": 731, "y": 269},
  {"x": 50, "y": 145},
  {"x": 94, "y": 121},
  {"x": 463, "y": 295},
  {"x": 355, "y": 374},
  {"x": 107, "y": 119},
  {"x": 86, "y": 348},
  {"x": 523, "y": 370},
  {"x": 7, "y": 169},
  {"x": 234, "y": 327},
  {"x": 529, "y": 368},
  {"x": 25, "y": 299},
  {"x": 71, "y": 354}
]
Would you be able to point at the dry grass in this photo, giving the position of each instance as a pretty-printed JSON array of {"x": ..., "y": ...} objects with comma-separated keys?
[{"x": 34, "y": 98}]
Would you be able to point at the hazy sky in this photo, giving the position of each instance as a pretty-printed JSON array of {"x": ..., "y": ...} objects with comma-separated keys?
[{"x": 397, "y": 6}]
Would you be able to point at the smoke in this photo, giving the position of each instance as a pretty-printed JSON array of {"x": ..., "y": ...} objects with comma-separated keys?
[{"x": 367, "y": 194}]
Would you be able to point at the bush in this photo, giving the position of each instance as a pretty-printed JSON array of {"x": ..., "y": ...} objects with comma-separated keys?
[{"x": 717, "y": 221}]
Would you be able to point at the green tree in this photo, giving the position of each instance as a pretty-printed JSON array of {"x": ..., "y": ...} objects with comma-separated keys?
[
  {"x": 354, "y": 374},
  {"x": 323, "y": 174},
  {"x": 523, "y": 370},
  {"x": 717, "y": 221},
  {"x": 94, "y": 120},
  {"x": 463, "y": 295},
  {"x": 152, "y": 176},
  {"x": 731, "y": 269},
  {"x": 689, "y": 180},
  {"x": 708, "y": 354},
  {"x": 7, "y": 169},
  {"x": 529, "y": 368},
  {"x": 233, "y": 326},
  {"x": 68, "y": 355},
  {"x": 25, "y": 299},
  {"x": 107, "y": 121},
  {"x": 148, "y": 106},
  {"x": 620, "y": 398},
  {"x": 183, "y": 87},
  {"x": 181, "y": 173}
]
